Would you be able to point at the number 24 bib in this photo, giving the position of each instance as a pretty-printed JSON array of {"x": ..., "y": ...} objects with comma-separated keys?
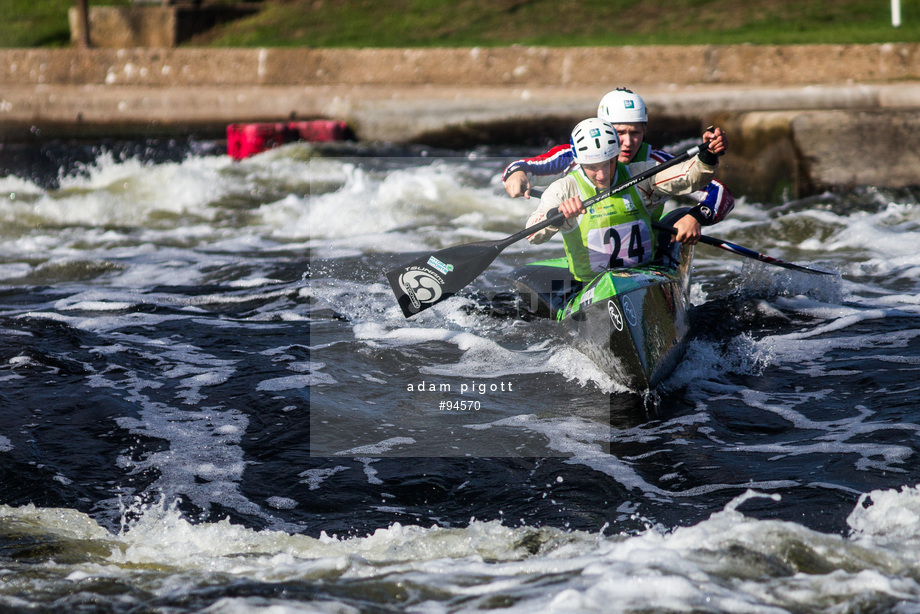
[{"x": 624, "y": 245}]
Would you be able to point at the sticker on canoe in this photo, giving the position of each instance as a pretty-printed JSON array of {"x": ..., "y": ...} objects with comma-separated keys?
[
  {"x": 630, "y": 311},
  {"x": 615, "y": 316}
]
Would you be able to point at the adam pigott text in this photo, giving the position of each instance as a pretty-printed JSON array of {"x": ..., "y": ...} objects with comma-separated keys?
[{"x": 471, "y": 387}]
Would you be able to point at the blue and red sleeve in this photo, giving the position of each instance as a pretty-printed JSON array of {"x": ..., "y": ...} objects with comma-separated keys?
[{"x": 554, "y": 162}]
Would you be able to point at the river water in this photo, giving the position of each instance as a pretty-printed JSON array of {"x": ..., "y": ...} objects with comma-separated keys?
[{"x": 212, "y": 402}]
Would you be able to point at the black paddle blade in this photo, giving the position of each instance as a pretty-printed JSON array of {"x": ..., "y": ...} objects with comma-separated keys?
[{"x": 438, "y": 276}]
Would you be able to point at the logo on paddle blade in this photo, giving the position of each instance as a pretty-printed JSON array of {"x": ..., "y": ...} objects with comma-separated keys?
[
  {"x": 421, "y": 285},
  {"x": 444, "y": 268},
  {"x": 615, "y": 315}
]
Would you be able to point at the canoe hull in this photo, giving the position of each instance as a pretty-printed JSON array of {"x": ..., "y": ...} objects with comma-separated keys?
[{"x": 633, "y": 323}]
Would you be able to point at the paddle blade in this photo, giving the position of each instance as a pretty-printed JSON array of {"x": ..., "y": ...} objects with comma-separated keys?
[{"x": 436, "y": 277}]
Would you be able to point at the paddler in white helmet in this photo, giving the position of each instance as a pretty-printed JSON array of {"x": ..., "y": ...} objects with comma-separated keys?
[
  {"x": 626, "y": 111},
  {"x": 617, "y": 231}
]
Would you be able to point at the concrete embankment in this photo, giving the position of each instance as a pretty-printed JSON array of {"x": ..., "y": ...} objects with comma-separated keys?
[{"x": 801, "y": 118}]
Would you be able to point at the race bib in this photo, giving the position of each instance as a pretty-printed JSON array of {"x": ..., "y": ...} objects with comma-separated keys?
[{"x": 625, "y": 245}]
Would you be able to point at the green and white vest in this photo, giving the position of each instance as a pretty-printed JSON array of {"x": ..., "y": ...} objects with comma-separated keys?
[
  {"x": 613, "y": 233},
  {"x": 644, "y": 153}
]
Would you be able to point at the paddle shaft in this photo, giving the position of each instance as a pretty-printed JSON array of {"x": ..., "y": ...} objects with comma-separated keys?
[{"x": 743, "y": 251}]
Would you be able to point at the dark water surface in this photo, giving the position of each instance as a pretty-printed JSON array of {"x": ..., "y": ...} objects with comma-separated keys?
[{"x": 211, "y": 401}]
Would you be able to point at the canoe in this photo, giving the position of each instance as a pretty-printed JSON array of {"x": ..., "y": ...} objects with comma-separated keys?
[{"x": 633, "y": 323}]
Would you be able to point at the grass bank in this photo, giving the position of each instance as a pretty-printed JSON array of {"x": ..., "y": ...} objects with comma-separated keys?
[{"x": 463, "y": 23}]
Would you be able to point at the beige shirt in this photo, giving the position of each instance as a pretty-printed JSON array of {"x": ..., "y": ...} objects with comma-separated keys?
[{"x": 679, "y": 180}]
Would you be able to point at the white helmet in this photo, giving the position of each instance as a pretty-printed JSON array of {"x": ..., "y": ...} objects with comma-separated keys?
[
  {"x": 594, "y": 141},
  {"x": 621, "y": 106}
]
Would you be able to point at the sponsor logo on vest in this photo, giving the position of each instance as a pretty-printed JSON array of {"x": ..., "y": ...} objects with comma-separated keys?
[
  {"x": 421, "y": 285},
  {"x": 615, "y": 315},
  {"x": 444, "y": 268},
  {"x": 628, "y": 203},
  {"x": 629, "y": 310}
]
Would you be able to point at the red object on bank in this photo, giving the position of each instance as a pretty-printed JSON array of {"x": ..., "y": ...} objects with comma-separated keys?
[{"x": 244, "y": 140}]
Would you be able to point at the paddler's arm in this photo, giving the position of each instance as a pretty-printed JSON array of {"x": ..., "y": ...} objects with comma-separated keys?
[
  {"x": 687, "y": 178},
  {"x": 519, "y": 176},
  {"x": 555, "y": 195}
]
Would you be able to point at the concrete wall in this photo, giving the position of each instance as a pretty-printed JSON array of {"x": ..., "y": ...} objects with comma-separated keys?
[
  {"x": 735, "y": 65},
  {"x": 799, "y": 115}
]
